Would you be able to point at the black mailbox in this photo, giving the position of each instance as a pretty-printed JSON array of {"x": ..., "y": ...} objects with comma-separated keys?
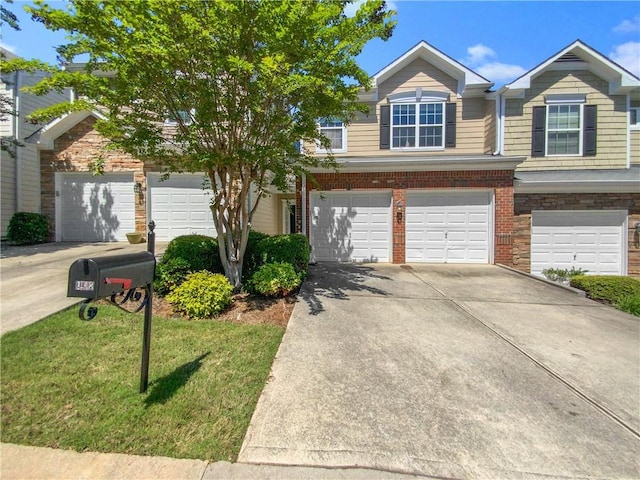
[{"x": 102, "y": 277}]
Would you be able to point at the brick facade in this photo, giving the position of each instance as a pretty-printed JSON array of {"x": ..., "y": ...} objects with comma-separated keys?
[
  {"x": 500, "y": 181},
  {"x": 74, "y": 151},
  {"x": 525, "y": 203}
]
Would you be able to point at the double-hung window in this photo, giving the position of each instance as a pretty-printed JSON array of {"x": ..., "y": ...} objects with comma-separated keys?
[
  {"x": 336, "y": 132},
  {"x": 564, "y": 127},
  {"x": 417, "y": 125},
  {"x": 634, "y": 118}
]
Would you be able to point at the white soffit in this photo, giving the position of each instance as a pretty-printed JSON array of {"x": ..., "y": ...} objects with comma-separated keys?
[{"x": 44, "y": 137}]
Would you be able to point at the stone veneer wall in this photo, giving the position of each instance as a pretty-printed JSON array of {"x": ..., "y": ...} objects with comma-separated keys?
[
  {"x": 525, "y": 203},
  {"x": 74, "y": 151},
  {"x": 500, "y": 181}
]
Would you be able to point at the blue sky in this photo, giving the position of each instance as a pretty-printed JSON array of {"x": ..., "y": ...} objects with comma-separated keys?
[{"x": 499, "y": 40}]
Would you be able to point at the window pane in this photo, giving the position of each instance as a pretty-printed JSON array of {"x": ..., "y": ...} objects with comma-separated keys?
[
  {"x": 563, "y": 143},
  {"x": 329, "y": 123},
  {"x": 404, "y": 115},
  {"x": 430, "y": 136},
  {"x": 335, "y": 136},
  {"x": 431, "y": 114},
  {"x": 404, "y": 137}
]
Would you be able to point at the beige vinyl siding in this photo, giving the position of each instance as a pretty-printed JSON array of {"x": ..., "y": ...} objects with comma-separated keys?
[
  {"x": 612, "y": 122},
  {"x": 635, "y": 147},
  {"x": 265, "y": 218},
  {"x": 363, "y": 134},
  {"x": 490, "y": 126}
]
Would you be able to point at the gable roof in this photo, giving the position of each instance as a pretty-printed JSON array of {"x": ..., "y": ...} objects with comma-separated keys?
[
  {"x": 579, "y": 56},
  {"x": 468, "y": 80},
  {"x": 44, "y": 137}
]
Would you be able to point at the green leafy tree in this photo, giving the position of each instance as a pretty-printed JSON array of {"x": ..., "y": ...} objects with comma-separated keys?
[{"x": 245, "y": 80}]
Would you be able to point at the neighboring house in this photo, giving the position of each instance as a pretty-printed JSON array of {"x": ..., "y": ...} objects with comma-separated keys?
[
  {"x": 130, "y": 193},
  {"x": 20, "y": 168},
  {"x": 543, "y": 173},
  {"x": 577, "y": 194}
]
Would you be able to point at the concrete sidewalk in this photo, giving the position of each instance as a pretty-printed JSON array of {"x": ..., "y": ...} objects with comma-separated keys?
[{"x": 33, "y": 463}]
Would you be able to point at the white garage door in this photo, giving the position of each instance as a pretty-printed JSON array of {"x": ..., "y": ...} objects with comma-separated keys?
[
  {"x": 350, "y": 227},
  {"x": 179, "y": 206},
  {"x": 590, "y": 240},
  {"x": 94, "y": 208},
  {"x": 448, "y": 227}
]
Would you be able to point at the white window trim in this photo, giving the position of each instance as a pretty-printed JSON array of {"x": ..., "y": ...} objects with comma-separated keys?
[
  {"x": 580, "y": 130},
  {"x": 634, "y": 126},
  {"x": 424, "y": 101},
  {"x": 319, "y": 148},
  {"x": 169, "y": 121}
]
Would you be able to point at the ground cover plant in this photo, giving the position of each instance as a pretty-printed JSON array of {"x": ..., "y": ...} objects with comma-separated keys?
[
  {"x": 621, "y": 292},
  {"x": 74, "y": 385}
]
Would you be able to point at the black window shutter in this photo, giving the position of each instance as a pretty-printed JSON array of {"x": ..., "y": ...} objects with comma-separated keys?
[
  {"x": 385, "y": 127},
  {"x": 538, "y": 133},
  {"x": 590, "y": 127},
  {"x": 450, "y": 127}
]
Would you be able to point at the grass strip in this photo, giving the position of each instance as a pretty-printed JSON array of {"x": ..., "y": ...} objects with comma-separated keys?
[{"x": 72, "y": 384}]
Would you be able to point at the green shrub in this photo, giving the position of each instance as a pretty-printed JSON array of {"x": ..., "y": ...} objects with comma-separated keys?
[
  {"x": 629, "y": 304},
  {"x": 607, "y": 288},
  {"x": 275, "y": 280},
  {"x": 199, "y": 251},
  {"x": 562, "y": 275},
  {"x": 252, "y": 259},
  {"x": 170, "y": 273},
  {"x": 27, "y": 228},
  {"x": 202, "y": 295},
  {"x": 293, "y": 249}
]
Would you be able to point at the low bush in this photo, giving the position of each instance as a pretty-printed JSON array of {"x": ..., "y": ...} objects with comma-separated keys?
[
  {"x": 252, "y": 259},
  {"x": 629, "y": 304},
  {"x": 293, "y": 249},
  {"x": 607, "y": 288},
  {"x": 562, "y": 275},
  {"x": 199, "y": 251},
  {"x": 170, "y": 273},
  {"x": 275, "y": 280},
  {"x": 202, "y": 295},
  {"x": 27, "y": 228}
]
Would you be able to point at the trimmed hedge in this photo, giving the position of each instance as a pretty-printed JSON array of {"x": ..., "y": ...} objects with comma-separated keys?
[
  {"x": 252, "y": 257},
  {"x": 202, "y": 295},
  {"x": 199, "y": 251},
  {"x": 275, "y": 280},
  {"x": 27, "y": 228},
  {"x": 293, "y": 249},
  {"x": 607, "y": 288}
]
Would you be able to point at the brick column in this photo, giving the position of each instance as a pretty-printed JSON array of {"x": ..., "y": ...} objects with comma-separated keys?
[
  {"x": 399, "y": 195},
  {"x": 504, "y": 225}
]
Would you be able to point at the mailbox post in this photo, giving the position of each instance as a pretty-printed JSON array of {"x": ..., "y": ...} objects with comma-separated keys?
[{"x": 118, "y": 278}]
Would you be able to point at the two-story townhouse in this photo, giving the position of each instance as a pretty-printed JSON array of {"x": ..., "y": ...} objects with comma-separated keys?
[
  {"x": 19, "y": 163},
  {"x": 577, "y": 194},
  {"x": 420, "y": 180}
]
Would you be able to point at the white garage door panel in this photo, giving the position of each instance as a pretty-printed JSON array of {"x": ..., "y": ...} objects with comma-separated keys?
[
  {"x": 180, "y": 206},
  {"x": 351, "y": 226},
  {"x": 452, "y": 227},
  {"x": 589, "y": 240},
  {"x": 95, "y": 208}
]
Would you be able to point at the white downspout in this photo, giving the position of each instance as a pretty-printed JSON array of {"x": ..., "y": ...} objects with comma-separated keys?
[
  {"x": 628, "y": 131},
  {"x": 304, "y": 205}
]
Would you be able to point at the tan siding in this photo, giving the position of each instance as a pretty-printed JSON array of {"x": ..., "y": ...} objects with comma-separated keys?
[
  {"x": 8, "y": 190},
  {"x": 490, "y": 126},
  {"x": 612, "y": 121},
  {"x": 363, "y": 134},
  {"x": 635, "y": 147},
  {"x": 265, "y": 217}
]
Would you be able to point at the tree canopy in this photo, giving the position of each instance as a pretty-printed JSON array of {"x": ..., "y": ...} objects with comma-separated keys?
[{"x": 245, "y": 81}]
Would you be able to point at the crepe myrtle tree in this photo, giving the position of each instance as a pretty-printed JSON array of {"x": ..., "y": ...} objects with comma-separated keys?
[{"x": 245, "y": 81}]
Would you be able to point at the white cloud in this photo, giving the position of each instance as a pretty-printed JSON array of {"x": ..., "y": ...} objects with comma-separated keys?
[
  {"x": 628, "y": 56},
  {"x": 11, "y": 48},
  {"x": 628, "y": 26},
  {"x": 500, "y": 72},
  {"x": 351, "y": 8},
  {"x": 478, "y": 54}
]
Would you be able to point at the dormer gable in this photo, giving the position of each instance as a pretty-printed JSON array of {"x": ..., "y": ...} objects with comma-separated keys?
[
  {"x": 469, "y": 83},
  {"x": 577, "y": 56}
]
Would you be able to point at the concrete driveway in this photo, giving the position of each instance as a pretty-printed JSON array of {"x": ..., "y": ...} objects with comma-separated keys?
[
  {"x": 33, "y": 279},
  {"x": 451, "y": 372}
]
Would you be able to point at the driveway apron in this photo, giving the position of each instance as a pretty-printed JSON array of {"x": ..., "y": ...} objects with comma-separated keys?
[{"x": 451, "y": 371}]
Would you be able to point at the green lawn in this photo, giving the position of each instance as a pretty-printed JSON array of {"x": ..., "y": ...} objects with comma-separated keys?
[{"x": 72, "y": 384}]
